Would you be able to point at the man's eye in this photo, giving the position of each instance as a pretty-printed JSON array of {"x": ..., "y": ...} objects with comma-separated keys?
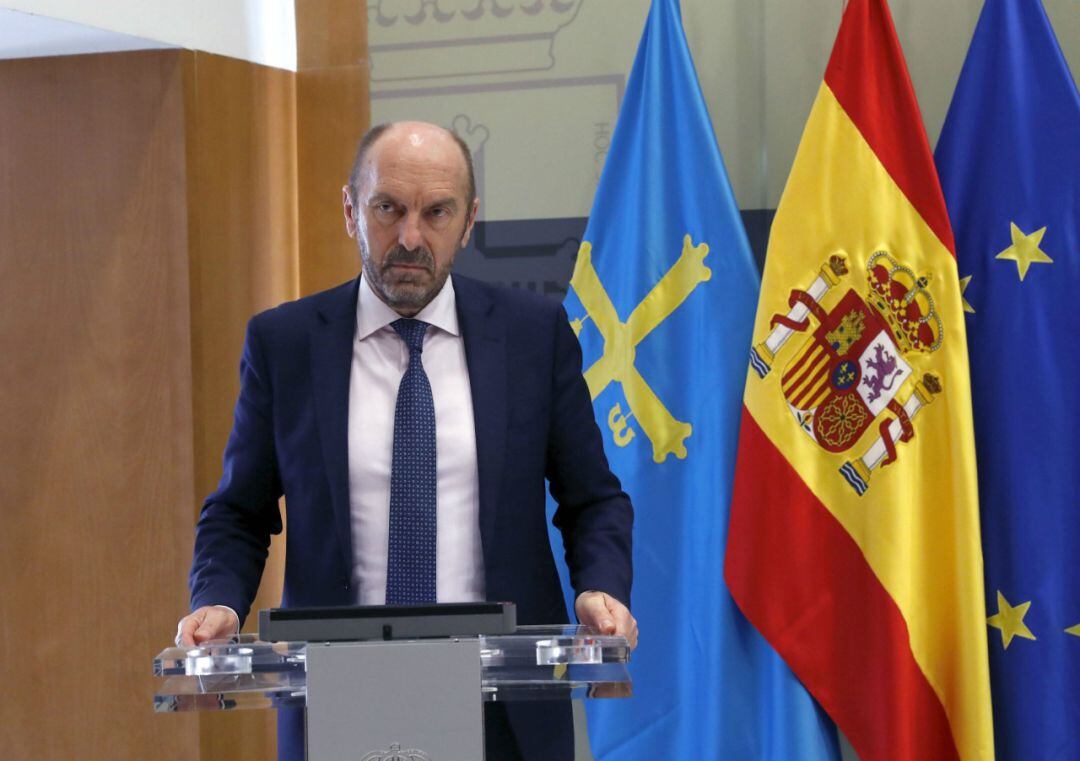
[
  {"x": 439, "y": 211},
  {"x": 384, "y": 208}
]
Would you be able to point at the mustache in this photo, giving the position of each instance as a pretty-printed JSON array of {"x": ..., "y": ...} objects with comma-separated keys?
[{"x": 417, "y": 257}]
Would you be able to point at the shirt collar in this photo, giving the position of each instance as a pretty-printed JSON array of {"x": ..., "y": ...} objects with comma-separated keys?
[{"x": 373, "y": 314}]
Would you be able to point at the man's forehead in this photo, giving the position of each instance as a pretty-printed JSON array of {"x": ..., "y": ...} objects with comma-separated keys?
[
  {"x": 415, "y": 153},
  {"x": 401, "y": 177},
  {"x": 417, "y": 142}
]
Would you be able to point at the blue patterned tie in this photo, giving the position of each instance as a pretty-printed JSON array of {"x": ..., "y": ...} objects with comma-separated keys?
[{"x": 410, "y": 569}]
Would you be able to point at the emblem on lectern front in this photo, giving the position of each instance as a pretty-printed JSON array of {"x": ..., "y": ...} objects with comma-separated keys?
[{"x": 395, "y": 753}]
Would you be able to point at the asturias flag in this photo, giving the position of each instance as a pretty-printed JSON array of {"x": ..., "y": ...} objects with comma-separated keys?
[
  {"x": 663, "y": 297},
  {"x": 1009, "y": 159},
  {"x": 854, "y": 538}
]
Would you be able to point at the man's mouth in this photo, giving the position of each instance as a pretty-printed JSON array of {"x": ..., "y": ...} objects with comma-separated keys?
[{"x": 409, "y": 263}]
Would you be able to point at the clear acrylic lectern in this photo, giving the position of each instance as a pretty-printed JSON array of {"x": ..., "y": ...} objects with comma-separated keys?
[{"x": 415, "y": 699}]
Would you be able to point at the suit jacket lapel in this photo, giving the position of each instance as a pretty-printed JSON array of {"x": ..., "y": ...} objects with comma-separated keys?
[
  {"x": 485, "y": 355},
  {"x": 331, "y": 364}
]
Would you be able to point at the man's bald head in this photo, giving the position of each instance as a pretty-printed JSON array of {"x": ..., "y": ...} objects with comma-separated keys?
[
  {"x": 373, "y": 135},
  {"x": 410, "y": 205}
]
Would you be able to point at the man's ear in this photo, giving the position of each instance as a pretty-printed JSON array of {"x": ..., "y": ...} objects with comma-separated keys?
[
  {"x": 350, "y": 211},
  {"x": 470, "y": 222}
]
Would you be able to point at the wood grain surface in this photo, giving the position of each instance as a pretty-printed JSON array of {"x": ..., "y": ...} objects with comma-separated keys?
[
  {"x": 96, "y": 475},
  {"x": 150, "y": 204},
  {"x": 242, "y": 225},
  {"x": 333, "y": 109}
]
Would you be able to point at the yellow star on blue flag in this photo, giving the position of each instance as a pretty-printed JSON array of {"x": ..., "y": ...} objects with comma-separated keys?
[
  {"x": 1025, "y": 249},
  {"x": 1010, "y": 620}
]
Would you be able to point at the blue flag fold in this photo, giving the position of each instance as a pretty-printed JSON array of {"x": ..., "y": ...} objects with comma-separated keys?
[
  {"x": 1009, "y": 161},
  {"x": 663, "y": 299}
]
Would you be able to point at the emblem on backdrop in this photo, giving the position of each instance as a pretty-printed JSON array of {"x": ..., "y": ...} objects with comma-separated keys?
[{"x": 852, "y": 371}]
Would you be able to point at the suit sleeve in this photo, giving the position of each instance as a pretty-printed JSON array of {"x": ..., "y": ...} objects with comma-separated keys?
[
  {"x": 232, "y": 536},
  {"x": 594, "y": 514}
]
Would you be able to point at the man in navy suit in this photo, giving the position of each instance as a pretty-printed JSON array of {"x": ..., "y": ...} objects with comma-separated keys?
[{"x": 315, "y": 421}]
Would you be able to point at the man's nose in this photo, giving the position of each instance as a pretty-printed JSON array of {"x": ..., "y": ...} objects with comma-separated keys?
[{"x": 409, "y": 235}]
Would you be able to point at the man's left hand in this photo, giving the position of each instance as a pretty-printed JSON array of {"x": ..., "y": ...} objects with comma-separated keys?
[{"x": 606, "y": 615}]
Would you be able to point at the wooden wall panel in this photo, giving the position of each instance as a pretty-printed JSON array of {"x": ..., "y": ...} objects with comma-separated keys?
[
  {"x": 330, "y": 33},
  {"x": 150, "y": 203},
  {"x": 242, "y": 212},
  {"x": 333, "y": 111},
  {"x": 241, "y": 147},
  {"x": 95, "y": 486}
]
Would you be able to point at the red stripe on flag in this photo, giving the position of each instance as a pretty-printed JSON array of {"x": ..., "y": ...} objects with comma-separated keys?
[
  {"x": 803, "y": 582},
  {"x": 869, "y": 78}
]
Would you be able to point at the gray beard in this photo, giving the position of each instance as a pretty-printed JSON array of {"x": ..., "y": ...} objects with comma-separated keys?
[{"x": 403, "y": 296}]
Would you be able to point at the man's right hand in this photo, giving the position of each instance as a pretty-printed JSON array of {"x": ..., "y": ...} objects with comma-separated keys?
[{"x": 206, "y": 623}]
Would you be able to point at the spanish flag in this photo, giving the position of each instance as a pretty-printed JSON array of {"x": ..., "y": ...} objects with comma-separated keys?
[{"x": 854, "y": 537}]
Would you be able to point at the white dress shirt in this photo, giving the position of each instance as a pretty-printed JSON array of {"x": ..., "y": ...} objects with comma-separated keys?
[{"x": 379, "y": 361}]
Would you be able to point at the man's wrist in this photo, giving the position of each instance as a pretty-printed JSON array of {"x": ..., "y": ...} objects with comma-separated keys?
[{"x": 236, "y": 617}]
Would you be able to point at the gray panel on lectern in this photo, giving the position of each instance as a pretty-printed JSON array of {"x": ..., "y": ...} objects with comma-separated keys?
[{"x": 376, "y": 698}]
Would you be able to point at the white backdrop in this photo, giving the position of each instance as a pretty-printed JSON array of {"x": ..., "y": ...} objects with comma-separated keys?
[{"x": 261, "y": 31}]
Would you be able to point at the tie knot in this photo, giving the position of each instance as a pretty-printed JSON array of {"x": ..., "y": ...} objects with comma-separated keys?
[{"x": 411, "y": 332}]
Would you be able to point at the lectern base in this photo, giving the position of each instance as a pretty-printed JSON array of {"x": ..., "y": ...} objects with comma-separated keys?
[{"x": 369, "y": 701}]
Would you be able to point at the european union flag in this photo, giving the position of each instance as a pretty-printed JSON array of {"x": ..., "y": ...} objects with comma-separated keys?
[
  {"x": 1009, "y": 160},
  {"x": 663, "y": 299}
]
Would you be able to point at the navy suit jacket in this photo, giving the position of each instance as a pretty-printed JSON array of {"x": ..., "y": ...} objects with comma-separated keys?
[{"x": 534, "y": 422}]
